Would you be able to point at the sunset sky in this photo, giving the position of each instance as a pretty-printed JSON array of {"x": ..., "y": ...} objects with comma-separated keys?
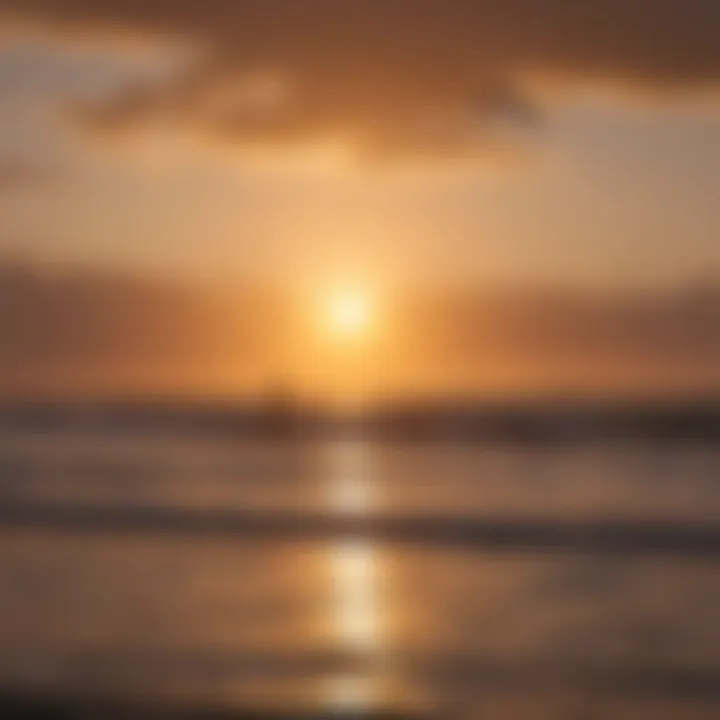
[{"x": 525, "y": 191}]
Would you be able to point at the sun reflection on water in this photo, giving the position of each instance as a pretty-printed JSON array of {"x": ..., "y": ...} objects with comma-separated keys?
[{"x": 354, "y": 573}]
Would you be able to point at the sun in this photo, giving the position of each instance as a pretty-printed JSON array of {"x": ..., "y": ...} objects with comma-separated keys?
[{"x": 350, "y": 313}]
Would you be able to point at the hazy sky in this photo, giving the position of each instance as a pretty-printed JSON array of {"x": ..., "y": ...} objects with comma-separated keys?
[{"x": 467, "y": 143}]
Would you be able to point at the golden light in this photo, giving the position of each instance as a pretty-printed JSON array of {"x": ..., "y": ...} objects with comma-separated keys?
[
  {"x": 350, "y": 313},
  {"x": 354, "y": 566}
]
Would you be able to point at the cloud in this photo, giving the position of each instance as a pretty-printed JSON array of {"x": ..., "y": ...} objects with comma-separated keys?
[
  {"x": 561, "y": 341},
  {"x": 393, "y": 76},
  {"x": 79, "y": 328},
  {"x": 82, "y": 330},
  {"x": 16, "y": 173}
]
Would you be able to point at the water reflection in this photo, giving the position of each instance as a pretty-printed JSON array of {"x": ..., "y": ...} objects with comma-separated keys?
[{"x": 354, "y": 570}]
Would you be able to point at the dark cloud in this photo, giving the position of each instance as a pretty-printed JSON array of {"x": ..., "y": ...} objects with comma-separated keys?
[
  {"x": 675, "y": 326},
  {"x": 396, "y": 75},
  {"x": 566, "y": 340}
]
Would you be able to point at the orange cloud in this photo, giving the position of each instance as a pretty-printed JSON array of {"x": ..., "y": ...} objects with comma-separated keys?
[{"x": 84, "y": 330}]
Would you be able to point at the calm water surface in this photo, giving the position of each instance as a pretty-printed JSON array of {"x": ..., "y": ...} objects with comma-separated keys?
[{"x": 359, "y": 623}]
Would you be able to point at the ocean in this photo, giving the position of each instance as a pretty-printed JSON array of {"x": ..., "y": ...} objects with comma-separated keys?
[{"x": 168, "y": 565}]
